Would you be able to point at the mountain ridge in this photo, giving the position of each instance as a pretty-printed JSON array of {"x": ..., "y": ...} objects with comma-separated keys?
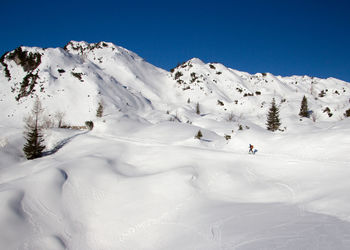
[{"x": 95, "y": 72}]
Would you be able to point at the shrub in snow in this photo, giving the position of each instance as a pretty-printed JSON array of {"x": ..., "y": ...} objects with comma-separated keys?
[
  {"x": 78, "y": 76},
  {"x": 178, "y": 75},
  {"x": 194, "y": 77},
  {"x": 273, "y": 121},
  {"x": 322, "y": 93},
  {"x": 34, "y": 147},
  {"x": 199, "y": 135},
  {"x": 89, "y": 125},
  {"x": 347, "y": 113},
  {"x": 328, "y": 111}
]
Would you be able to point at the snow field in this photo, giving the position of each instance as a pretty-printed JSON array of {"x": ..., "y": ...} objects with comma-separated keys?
[
  {"x": 152, "y": 189},
  {"x": 140, "y": 180}
]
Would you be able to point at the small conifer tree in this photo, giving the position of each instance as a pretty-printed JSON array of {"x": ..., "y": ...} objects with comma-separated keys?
[
  {"x": 199, "y": 135},
  {"x": 273, "y": 121},
  {"x": 304, "y": 110},
  {"x": 34, "y": 147},
  {"x": 197, "y": 109},
  {"x": 99, "y": 111}
]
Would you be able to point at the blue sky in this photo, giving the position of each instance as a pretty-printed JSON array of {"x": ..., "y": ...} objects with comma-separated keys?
[{"x": 281, "y": 37}]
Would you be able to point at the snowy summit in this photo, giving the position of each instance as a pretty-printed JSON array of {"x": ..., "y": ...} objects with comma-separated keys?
[{"x": 137, "y": 157}]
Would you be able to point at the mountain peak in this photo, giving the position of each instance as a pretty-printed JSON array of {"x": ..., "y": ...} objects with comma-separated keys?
[
  {"x": 119, "y": 77},
  {"x": 196, "y": 60}
]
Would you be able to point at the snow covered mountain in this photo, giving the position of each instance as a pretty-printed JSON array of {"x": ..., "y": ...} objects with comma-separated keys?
[
  {"x": 81, "y": 75},
  {"x": 140, "y": 180}
]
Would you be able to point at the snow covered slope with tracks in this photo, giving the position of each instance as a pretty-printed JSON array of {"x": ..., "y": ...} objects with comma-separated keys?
[{"x": 140, "y": 180}]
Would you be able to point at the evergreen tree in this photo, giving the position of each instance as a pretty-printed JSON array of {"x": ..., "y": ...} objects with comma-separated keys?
[
  {"x": 199, "y": 135},
  {"x": 34, "y": 147},
  {"x": 198, "y": 112},
  {"x": 273, "y": 120},
  {"x": 304, "y": 110},
  {"x": 99, "y": 111}
]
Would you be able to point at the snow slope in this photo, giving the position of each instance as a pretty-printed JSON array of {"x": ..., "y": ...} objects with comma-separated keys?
[{"x": 140, "y": 180}]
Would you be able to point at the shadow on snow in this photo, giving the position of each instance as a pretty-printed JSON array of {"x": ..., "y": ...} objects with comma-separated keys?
[{"x": 61, "y": 144}]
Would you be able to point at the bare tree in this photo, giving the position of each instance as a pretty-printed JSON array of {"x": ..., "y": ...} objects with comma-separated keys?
[{"x": 59, "y": 117}]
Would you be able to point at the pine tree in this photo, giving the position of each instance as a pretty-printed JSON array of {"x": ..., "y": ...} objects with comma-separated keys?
[
  {"x": 34, "y": 147},
  {"x": 273, "y": 120},
  {"x": 304, "y": 110},
  {"x": 99, "y": 111},
  {"x": 199, "y": 135},
  {"x": 198, "y": 112}
]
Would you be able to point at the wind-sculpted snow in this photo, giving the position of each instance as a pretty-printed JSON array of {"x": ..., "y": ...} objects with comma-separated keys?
[{"x": 141, "y": 180}]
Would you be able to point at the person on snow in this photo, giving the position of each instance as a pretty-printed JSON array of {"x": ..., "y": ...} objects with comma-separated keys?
[{"x": 251, "y": 149}]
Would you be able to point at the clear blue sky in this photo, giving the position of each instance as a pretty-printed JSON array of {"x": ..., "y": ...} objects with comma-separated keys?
[{"x": 282, "y": 37}]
